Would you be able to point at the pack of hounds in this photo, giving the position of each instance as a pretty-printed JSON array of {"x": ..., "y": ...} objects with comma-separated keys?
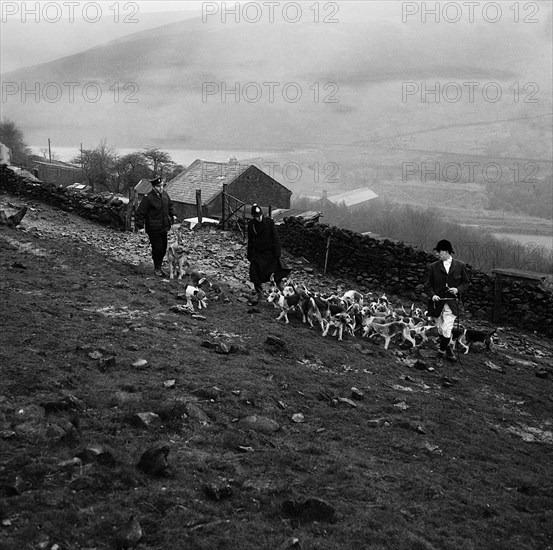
[
  {"x": 353, "y": 313},
  {"x": 348, "y": 314}
]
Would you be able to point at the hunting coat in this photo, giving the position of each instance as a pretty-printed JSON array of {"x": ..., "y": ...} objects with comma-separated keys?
[{"x": 439, "y": 280}]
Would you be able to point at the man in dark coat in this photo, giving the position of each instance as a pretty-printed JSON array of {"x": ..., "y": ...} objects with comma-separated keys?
[
  {"x": 447, "y": 281},
  {"x": 156, "y": 213},
  {"x": 263, "y": 252}
]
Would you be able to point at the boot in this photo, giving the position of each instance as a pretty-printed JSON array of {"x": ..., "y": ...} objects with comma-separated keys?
[
  {"x": 443, "y": 344},
  {"x": 254, "y": 300},
  {"x": 450, "y": 354}
]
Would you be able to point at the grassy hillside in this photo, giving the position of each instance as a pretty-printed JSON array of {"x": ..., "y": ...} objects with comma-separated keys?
[{"x": 275, "y": 437}]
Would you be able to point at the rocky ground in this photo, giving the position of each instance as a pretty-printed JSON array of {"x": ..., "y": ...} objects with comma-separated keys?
[{"x": 260, "y": 434}]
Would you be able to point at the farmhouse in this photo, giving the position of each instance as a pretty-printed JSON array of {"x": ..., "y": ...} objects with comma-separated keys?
[
  {"x": 245, "y": 183},
  {"x": 57, "y": 172}
]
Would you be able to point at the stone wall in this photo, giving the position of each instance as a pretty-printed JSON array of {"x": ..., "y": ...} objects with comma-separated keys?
[
  {"x": 374, "y": 264},
  {"x": 401, "y": 269},
  {"x": 102, "y": 209}
]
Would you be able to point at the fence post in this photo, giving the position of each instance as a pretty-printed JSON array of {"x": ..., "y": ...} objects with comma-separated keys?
[
  {"x": 223, "y": 214},
  {"x": 327, "y": 251},
  {"x": 199, "y": 206},
  {"x": 498, "y": 286}
]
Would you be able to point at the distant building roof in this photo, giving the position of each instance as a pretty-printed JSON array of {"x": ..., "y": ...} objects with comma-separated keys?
[
  {"x": 192, "y": 222},
  {"x": 281, "y": 213},
  {"x": 79, "y": 187},
  {"x": 205, "y": 175},
  {"x": 143, "y": 187},
  {"x": 351, "y": 198},
  {"x": 55, "y": 163}
]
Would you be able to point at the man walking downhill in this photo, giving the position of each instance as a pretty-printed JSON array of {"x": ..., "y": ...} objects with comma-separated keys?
[
  {"x": 155, "y": 213},
  {"x": 447, "y": 281}
]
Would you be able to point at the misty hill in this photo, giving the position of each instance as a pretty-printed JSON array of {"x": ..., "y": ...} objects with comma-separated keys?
[
  {"x": 146, "y": 88},
  {"x": 39, "y": 37}
]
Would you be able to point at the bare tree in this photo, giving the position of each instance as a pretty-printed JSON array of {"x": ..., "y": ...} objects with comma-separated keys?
[
  {"x": 98, "y": 165},
  {"x": 159, "y": 161},
  {"x": 129, "y": 170}
]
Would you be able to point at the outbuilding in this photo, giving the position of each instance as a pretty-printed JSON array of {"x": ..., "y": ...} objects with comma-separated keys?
[{"x": 244, "y": 183}]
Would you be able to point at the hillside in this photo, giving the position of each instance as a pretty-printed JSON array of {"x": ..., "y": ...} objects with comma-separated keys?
[
  {"x": 147, "y": 87},
  {"x": 269, "y": 445},
  {"x": 28, "y": 41}
]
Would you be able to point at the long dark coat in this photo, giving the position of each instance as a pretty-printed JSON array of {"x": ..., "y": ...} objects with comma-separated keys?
[
  {"x": 155, "y": 213},
  {"x": 438, "y": 278},
  {"x": 263, "y": 250}
]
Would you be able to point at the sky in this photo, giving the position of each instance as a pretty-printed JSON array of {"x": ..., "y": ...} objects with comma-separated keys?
[{"x": 145, "y": 6}]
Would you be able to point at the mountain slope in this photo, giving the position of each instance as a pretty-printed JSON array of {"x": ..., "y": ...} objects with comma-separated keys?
[{"x": 350, "y": 75}]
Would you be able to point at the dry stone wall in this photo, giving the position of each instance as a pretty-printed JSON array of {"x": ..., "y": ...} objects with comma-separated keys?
[
  {"x": 383, "y": 264},
  {"x": 373, "y": 264},
  {"x": 102, "y": 209}
]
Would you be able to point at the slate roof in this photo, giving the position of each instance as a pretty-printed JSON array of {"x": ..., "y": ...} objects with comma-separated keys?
[
  {"x": 279, "y": 214},
  {"x": 205, "y": 175},
  {"x": 143, "y": 187},
  {"x": 356, "y": 196}
]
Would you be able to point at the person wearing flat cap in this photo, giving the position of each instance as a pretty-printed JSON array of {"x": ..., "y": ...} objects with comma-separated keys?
[
  {"x": 447, "y": 282},
  {"x": 263, "y": 252},
  {"x": 155, "y": 214}
]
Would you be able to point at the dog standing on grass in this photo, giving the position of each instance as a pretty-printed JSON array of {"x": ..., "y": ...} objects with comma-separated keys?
[
  {"x": 387, "y": 330},
  {"x": 465, "y": 337}
]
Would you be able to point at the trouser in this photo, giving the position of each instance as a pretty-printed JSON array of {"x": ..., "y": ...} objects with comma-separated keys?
[
  {"x": 444, "y": 342},
  {"x": 259, "y": 273},
  {"x": 445, "y": 322},
  {"x": 159, "y": 247}
]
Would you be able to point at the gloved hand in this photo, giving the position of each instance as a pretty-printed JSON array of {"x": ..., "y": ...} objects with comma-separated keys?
[
  {"x": 142, "y": 231},
  {"x": 435, "y": 298}
]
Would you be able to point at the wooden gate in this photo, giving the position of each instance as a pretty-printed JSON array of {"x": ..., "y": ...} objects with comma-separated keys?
[{"x": 233, "y": 212}]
